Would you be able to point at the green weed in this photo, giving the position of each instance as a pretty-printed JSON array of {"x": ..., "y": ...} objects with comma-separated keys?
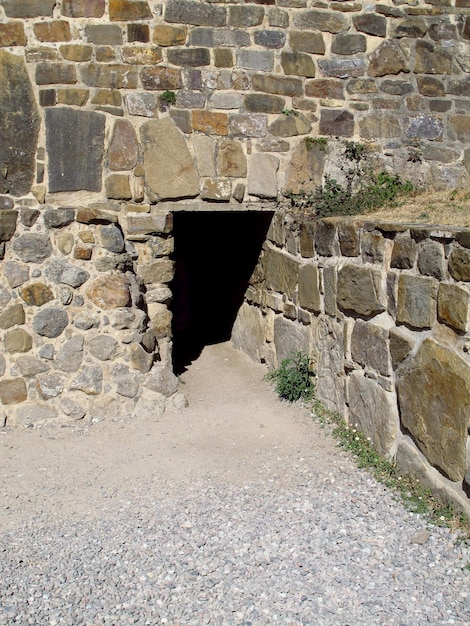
[
  {"x": 316, "y": 142},
  {"x": 168, "y": 96},
  {"x": 293, "y": 378}
]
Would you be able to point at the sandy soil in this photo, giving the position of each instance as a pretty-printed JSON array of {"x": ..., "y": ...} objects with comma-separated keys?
[{"x": 235, "y": 430}]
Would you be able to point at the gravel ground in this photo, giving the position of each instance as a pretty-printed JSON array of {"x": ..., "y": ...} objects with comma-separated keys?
[{"x": 290, "y": 534}]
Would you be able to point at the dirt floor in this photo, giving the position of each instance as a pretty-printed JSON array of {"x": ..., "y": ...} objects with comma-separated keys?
[{"x": 234, "y": 430}]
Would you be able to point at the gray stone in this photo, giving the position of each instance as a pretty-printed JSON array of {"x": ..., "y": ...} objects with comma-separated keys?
[
  {"x": 374, "y": 410},
  {"x": 431, "y": 259},
  {"x": 270, "y": 38},
  {"x": 306, "y": 167},
  {"x": 261, "y": 60},
  {"x": 321, "y": 21},
  {"x": 12, "y": 316},
  {"x": 85, "y": 321},
  {"x": 103, "y": 347},
  {"x": 139, "y": 359},
  {"x": 417, "y": 299},
  {"x": 119, "y": 263},
  {"x": 20, "y": 126},
  {"x": 72, "y": 408},
  {"x": 47, "y": 352},
  {"x": 342, "y": 68},
  {"x": 425, "y": 127},
  {"x": 289, "y": 337},
  {"x": 112, "y": 238},
  {"x": 290, "y": 125},
  {"x": 248, "y": 332},
  {"x": 459, "y": 264},
  {"x": 216, "y": 190},
  {"x": 248, "y": 125},
  {"x": 90, "y": 380},
  {"x": 8, "y": 221},
  {"x": 57, "y": 218},
  {"x": 142, "y": 104},
  {"x": 401, "y": 344},
  {"x": 31, "y": 365},
  {"x": 34, "y": 413},
  {"x": 127, "y": 382},
  {"x": 161, "y": 380},
  {"x": 360, "y": 291},
  {"x": 16, "y": 273},
  {"x": 262, "y": 175},
  {"x": 50, "y": 322},
  {"x": 200, "y": 14},
  {"x": 75, "y": 158},
  {"x": 3, "y": 365},
  {"x": 150, "y": 404},
  {"x": 170, "y": 172},
  {"x": 162, "y": 293},
  {"x": 5, "y": 297},
  {"x": 369, "y": 347},
  {"x": 204, "y": 150},
  {"x": 70, "y": 355},
  {"x": 403, "y": 252},
  {"x": 32, "y": 247},
  {"x": 60, "y": 271}
]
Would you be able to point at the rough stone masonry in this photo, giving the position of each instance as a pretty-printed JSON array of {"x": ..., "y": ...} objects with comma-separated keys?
[{"x": 116, "y": 113}]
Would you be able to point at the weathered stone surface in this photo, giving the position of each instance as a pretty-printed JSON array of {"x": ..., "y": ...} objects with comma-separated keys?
[
  {"x": 262, "y": 175},
  {"x": 112, "y": 238},
  {"x": 103, "y": 347},
  {"x": 8, "y": 221},
  {"x": 432, "y": 59},
  {"x": 126, "y": 382},
  {"x": 12, "y": 316},
  {"x": 200, "y": 14},
  {"x": 231, "y": 160},
  {"x": 309, "y": 288},
  {"x": 83, "y": 8},
  {"x": 165, "y": 35},
  {"x": 453, "y": 304},
  {"x": 190, "y": 57},
  {"x": 124, "y": 10},
  {"x": 16, "y": 273},
  {"x": 277, "y": 84},
  {"x": 28, "y": 8},
  {"x": 34, "y": 413},
  {"x": 459, "y": 264},
  {"x": 359, "y": 290},
  {"x": 325, "y": 237},
  {"x": 60, "y": 271},
  {"x": 348, "y": 44},
  {"x": 401, "y": 344},
  {"x": 50, "y": 322},
  {"x": 70, "y": 355},
  {"x": 248, "y": 125},
  {"x": 220, "y": 100},
  {"x": 161, "y": 78},
  {"x": 13, "y": 391},
  {"x": 57, "y": 218},
  {"x": 5, "y": 296},
  {"x": 139, "y": 359},
  {"x": 95, "y": 215},
  {"x": 223, "y": 57},
  {"x": 17, "y": 340},
  {"x": 306, "y": 41},
  {"x": 431, "y": 259},
  {"x": 342, "y": 68},
  {"x": 32, "y": 247},
  {"x": 369, "y": 347},
  {"x": 210, "y": 122},
  {"x": 55, "y": 31},
  {"x": 339, "y": 123},
  {"x": 143, "y": 104},
  {"x": 270, "y": 38},
  {"x": 109, "y": 76},
  {"x": 90, "y": 380},
  {"x": 289, "y": 337},
  {"x": 425, "y": 127},
  {"x": 263, "y": 103},
  {"x": 327, "y": 356},
  {"x": 123, "y": 318},
  {"x": 156, "y": 223},
  {"x": 123, "y": 148},
  {"x": 290, "y": 126},
  {"x": 118, "y": 187},
  {"x": 248, "y": 331},
  {"x": 438, "y": 417},
  {"x": 371, "y": 23},
  {"x": 150, "y": 404},
  {"x": 50, "y": 385},
  {"x": 20, "y": 126},
  {"x": 246, "y": 16},
  {"x": 374, "y": 410},
  {"x": 387, "y": 59},
  {"x": 12, "y": 35},
  {"x": 380, "y": 126},
  {"x": 169, "y": 168},
  {"x": 281, "y": 272},
  {"x": 348, "y": 237},
  {"x": 417, "y": 298},
  {"x": 321, "y": 21},
  {"x": 403, "y": 252},
  {"x": 161, "y": 380},
  {"x": 75, "y": 158},
  {"x": 31, "y": 366},
  {"x": 74, "y": 409},
  {"x": 306, "y": 168},
  {"x": 110, "y": 292},
  {"x": 36, "y": 294},
  {"x": 160, "y": 319},
  {"x": 216, "y": 189},
  {"x": 104, "y": 35}
]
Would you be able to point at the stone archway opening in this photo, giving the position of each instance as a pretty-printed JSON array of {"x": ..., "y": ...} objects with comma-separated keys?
[{"x": 215, "y": 255}]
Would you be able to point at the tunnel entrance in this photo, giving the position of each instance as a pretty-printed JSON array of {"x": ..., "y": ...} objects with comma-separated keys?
[{"x": 215, "y": 255}]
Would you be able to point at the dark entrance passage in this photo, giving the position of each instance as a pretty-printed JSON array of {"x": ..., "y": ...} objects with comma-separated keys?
[{"x": 215, "y": 255}]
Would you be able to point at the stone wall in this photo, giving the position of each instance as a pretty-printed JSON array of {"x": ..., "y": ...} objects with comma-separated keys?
[{"x": 383, "y": 311}]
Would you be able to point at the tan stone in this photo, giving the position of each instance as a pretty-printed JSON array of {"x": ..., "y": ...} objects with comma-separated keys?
[
  {"x": 160, "y": 271},
  {"x": 36, "y": 294},
  {"x": 231, "y": 160},
  {"x": 17, "y": 340},
  {"x": 87, "y": 236},
  {"x": 124, "y": 10},
  {"x": 65, "y": 243},
  {"x": 359, "y": 290},
  {"x": 12, "y": 316},
  {"x": 74, "y": 97},
  {"x": 107, "y": 97},
  {"x": 401, "y": 344},
  {"x": 83, "y": 253},
  {"x": 453, "y": 303},
  {"x": 13, "y": 391},
  {"x": 160, "y": 319},
  {"x": 387, "y": 59},
  {"x": 306, "y": 167},
  {"x": 138, "y": 55},
  {"x": 75, "y": 52},
  {"x": 210, "y": 122},
  {"x": 110, "y": 292},
  {"x": 170, "y": 172},
  {"x": 248, "y": 331},
  {"x": 118, "y": 187},
  {"x": 139, "y": 359},
  {"x": 83, "y": 8},
  {"x": 309, "y": 289},
  {"x": 144, "y": 223},
  {"x": 95, "y": 215},
  {"x": 53, "y": 31},
  {"x": 439, "y": 415},
  {"x": 12, "y": 34},
  {"x": 281, "y": 272},
  {"x": 216, "y": 189},
  {"x": 123, "y": 148},
  {"x": 165, "y": 35},
  {"x": 417, "y": 296}
]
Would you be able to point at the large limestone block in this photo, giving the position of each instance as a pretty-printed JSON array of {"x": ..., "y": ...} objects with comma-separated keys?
[
  {"x": 309, "y": 288},
  {"x": 248, "y": 331},
  {"x": 434, "y": 397},
  {"x": 375, "y": 412},
  {"x": 306, "y": 168},
  {"x": 417, "y": 296},
  {"x": 74, "y": 141},
  {"x": 262, "y": 175},
  {"x": 20, "y": 126},
  {"x": 369, "y": 347},
  {"x": 360, "y": 290},
  {"x": 289, "y": 337},
  {"x": 453, "y": 306},
  {"x": 328, "y": 362},
  {"x": 170, "y": 172},
  {"x": 281, "y": 271}
]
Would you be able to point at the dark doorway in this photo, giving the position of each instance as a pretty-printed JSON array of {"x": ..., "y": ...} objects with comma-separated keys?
[{"x": 215, "y": 255}]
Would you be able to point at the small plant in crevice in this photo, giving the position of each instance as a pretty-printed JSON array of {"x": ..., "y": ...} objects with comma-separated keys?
[
  {"x": 316, "y": 142},
  {"x": 416, "y": 498},
  {"x": 168, "y": 97},
  {"x": 293, "y": 379}
]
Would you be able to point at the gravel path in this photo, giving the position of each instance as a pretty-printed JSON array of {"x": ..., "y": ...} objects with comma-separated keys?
[{"x": 274, "y": 528}]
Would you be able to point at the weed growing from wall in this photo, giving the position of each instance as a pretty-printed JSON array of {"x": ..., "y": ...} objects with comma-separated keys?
[{"x": 292, "y": 381}]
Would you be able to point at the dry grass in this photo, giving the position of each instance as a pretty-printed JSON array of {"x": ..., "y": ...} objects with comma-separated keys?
[{"x": 443, "y": 207}]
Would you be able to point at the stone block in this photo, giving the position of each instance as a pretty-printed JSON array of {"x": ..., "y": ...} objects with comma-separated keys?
[
  {"x": 223, "y": 57},
  {"x": 438, "y": 416},
  {"x": 13, "y": 391},
  {"x": 221, "y": 100},
  {"x": 326, "y": 21},
  {"x": 290, "y": 125},
  {"x": 387, "y": 59},
  {"x": 69, "y": 357},
  {"x": 156, "y": 223},
  {"x": 161, "y": 380},
  {"x": 431, "y": 259},
  {"x": 270, "y": 38},
  {"x": 127, "y": 10},
  {"x": 17, "y": 340},
  {"x": 246, "y": 16},
  {"x": 139, "y": 359},
  {"x": 198, "y": 14},
  {"x": 223, "y": 37},
  {"x": 248, "y": 125},
  {"x": 458, "y": 128},
  {"x": 375, "y": 412},
  {"x": 231, "y": 160},
  {"x": 348, "y": 44},
  {"x": 56, "y": 31},
  {"x": 432, "y": 59},
  {"x": 143, "y": 104},
  {"x": 8, "y": 221},
  {"x": 103, "y": 347},
  {"x": 160, "y": 320},
  {"x": 12, "y": 316},
  {"x": 210, "y": 122},
  {"x": 110, "y": 292},
  {"x": 55, "y": 73},
  {"x": 113, "y": 76},
  {"x": 298, "y": 64},
  {"x": 20, "y": 126},
  {"x": 75, "y": 158},
  {"x": 278, "y": 85},
  {"x": 459, "y": 264},
  {"x": 16, "y": 273},
  {"x": 90, "y": 380},
  {"x": 192, "y": 99},
  {"x": 216, "y": 190},
  {"x": 401, "y": 344},
  {"x": 28, "y": 8},
  {"x": 373, "y": 247},
  {"x": 159, "y": 272},
  {"x": 359, "y": 290},
  {"x": 138, "y": 33},
  {"x": 123, "y": 148},
  {"x": 169, "y": 168},
  {"x": 327, "y": 356},
  {"x": 339, "y": 123},
  {"x": 369, "y": 347},
  {"x": 417, "y": 296},
  {"x": 118, "y": 187},
  {"x": 403, "y": 252},
  {"x": 309, "y": 288},
  {"x": 165, "y": 35},
  {"x": 126, "y": 382},
  {"x": 140, "y": 55},
  {"x": 325, "y": 88},
  {"x": 83, "y": 8},
  {"x": 263, "y": 103},
  {"x": 262, "y": 175},
  {"x": 349, "y": 239},
  {"x": 104, "y": 34},
  {"x": 380, "y": 126},
  {"x": 261, "y": 60},
  {"x": 36, "y": 294},
  {"x": 73, "y": 97},
  {"x": 31, "y": 366},
  {"x": 95, "y": 214},
  {"x": 371, "y": 24},
  {"x": 342, "y": 68},
  {"x": 306, "y": 41},
  {"x": 12, "y": 35},
  {"x": 204, "y": 150},
  {"x": 248, "y": 332},
  {"x": 59, "y": 271},
  {"x": 453, "y": 304},
  {"x": 192, "y": 57},
  {"x": 325, "y": 237},
  {"x": 281, "y": 272},
  {"x": 58, "y": 218},
  {"x": 278, "y": 17},
  {"x": 290, "y": 337}
]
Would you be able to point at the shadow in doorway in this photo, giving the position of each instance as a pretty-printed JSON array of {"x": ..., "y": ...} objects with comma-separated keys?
[{"x": 215, "y": 255}]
